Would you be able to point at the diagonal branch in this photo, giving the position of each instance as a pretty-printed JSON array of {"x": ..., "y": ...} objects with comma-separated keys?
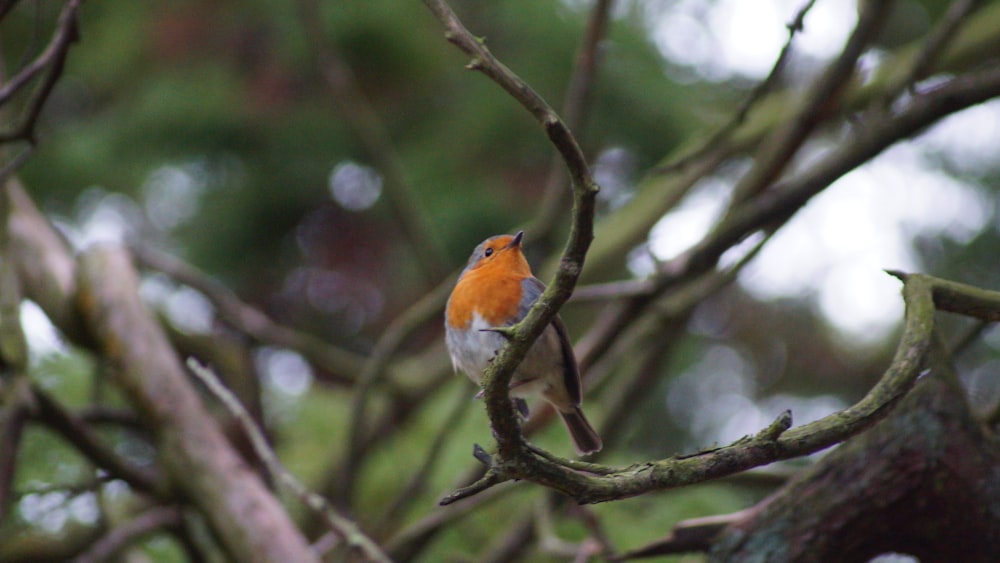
[
  {"x": 120, "y": 537},
  {"x": 937, "y": 40},
  {"x": 760, "y": 90},
  {"x": 52, "y": 58},
  {"x": 250, "y": 320},
  {"x": 574, "y": 110},
  {"x": 341, "y": 525},
  {"x": 200, "y": 464},
  {"x": 82, "y": 437},
  {"x": 819, "y": 99}
]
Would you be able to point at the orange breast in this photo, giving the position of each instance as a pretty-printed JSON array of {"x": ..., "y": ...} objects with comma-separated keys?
[{"x": 496, "y": 298}]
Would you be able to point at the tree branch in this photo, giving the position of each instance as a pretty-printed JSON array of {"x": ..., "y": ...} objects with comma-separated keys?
[
  {"x": 344, "y": 527},
  {"x": 201, "y": 465},
  {"x": 936, "y": 42},
  {"x": 574, "y": 109},
  {"x": 250, "y": 320},
  {"x": 776, "y": 442},
  {"x": 497, "y": 377},
  {"x": 974, "y": 44},
  {"x": 54, "y": 59},
  {"x": 819, "y": 99},
  {"x": 82, "y": 437},
  {"x": 120, "y": 537},
  {"x": 887, "y": 490}
]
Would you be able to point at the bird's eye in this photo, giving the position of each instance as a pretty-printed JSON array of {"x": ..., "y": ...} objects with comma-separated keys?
[{"x": 488, "y": 252}]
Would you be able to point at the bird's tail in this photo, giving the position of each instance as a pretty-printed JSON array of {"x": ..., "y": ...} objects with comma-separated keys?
[{"x": 585, "y": 438}]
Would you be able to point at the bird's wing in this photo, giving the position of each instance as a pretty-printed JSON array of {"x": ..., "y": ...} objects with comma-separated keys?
[{"x": 532, "y": 289}]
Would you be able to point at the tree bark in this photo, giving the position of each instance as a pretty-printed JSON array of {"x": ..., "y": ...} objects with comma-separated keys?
[
  {"x": 202, "y": 466},
  {"x": 923, "y": 482}
]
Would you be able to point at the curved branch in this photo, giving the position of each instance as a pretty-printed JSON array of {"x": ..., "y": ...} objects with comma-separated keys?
[
  {"x": 498, "y": 375},
  {"x": 776, "y": 442}
]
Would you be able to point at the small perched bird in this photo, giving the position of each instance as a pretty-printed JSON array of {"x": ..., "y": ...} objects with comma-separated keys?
[{"x": 496, "y": 289}]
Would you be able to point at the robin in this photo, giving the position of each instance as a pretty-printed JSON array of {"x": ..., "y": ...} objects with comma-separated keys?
[{"x": 496, "y": 289}]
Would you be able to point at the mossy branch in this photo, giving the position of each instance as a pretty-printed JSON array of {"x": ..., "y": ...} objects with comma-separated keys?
[{"x": 591, "y": 483}]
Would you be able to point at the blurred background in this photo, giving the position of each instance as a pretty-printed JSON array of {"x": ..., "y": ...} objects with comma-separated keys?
[{"x": 332, "y": 164}]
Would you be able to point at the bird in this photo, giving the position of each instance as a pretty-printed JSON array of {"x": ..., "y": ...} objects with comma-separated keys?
[{"x": 496, "y": 289}]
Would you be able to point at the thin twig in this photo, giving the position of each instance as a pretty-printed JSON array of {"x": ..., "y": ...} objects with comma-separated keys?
[
  {"x": 489, "y": 480},
  {"x": 343, "y": 364},
  {"x": 343, "y": 526},
  {"x": 419, "y": 480},
  {"x": 764, "y": 87},
  {"x": 83, "y": 438},
  {"x": 121, "y": 536},
  {"x": 819, "y": 99},
  {"x": 16, "y": 401},
  {"x": 576, "y": 102},
  {"x": 936, "y": 42},
  {"x": 391, "y": 339},
  {"x": 15, "y": 164},
  {"x": 405, "y": 544},
  {"x": 694, "y": 535},
  {"x": 52, "y": 58}
]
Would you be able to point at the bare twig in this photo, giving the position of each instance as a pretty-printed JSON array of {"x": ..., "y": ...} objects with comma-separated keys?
[
  {"x": 764, "y": 87},
  {"x": 694, "y": 535},
  {"x": 418, "y": 481},
  {"x": 250, "y": 320},
  {"x": 574, "y": 110},
  {"x": 613, "y": 290},
  {"x": 489, "y": 480},
  {"x": 15, "y": 407},
  {"x": 406, "y": 543},
  {"x": 15, "y": 164},
  {"x": 120, "y": 537},
  {"x": 83, "y": 438},
  {"x": 343, "y": 526},
  {"x": 52, "y": 58},
  {"x": 392, "y": 337},
  {"x": 5, "y": 7},
  {"x": 820, "y": 98},
  {"x": 16, "y": 401},
  {"x": 936, "y": 42}
]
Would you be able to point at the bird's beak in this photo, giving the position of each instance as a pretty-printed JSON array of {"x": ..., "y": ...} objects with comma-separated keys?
[{"x": 516, "y": 243}]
